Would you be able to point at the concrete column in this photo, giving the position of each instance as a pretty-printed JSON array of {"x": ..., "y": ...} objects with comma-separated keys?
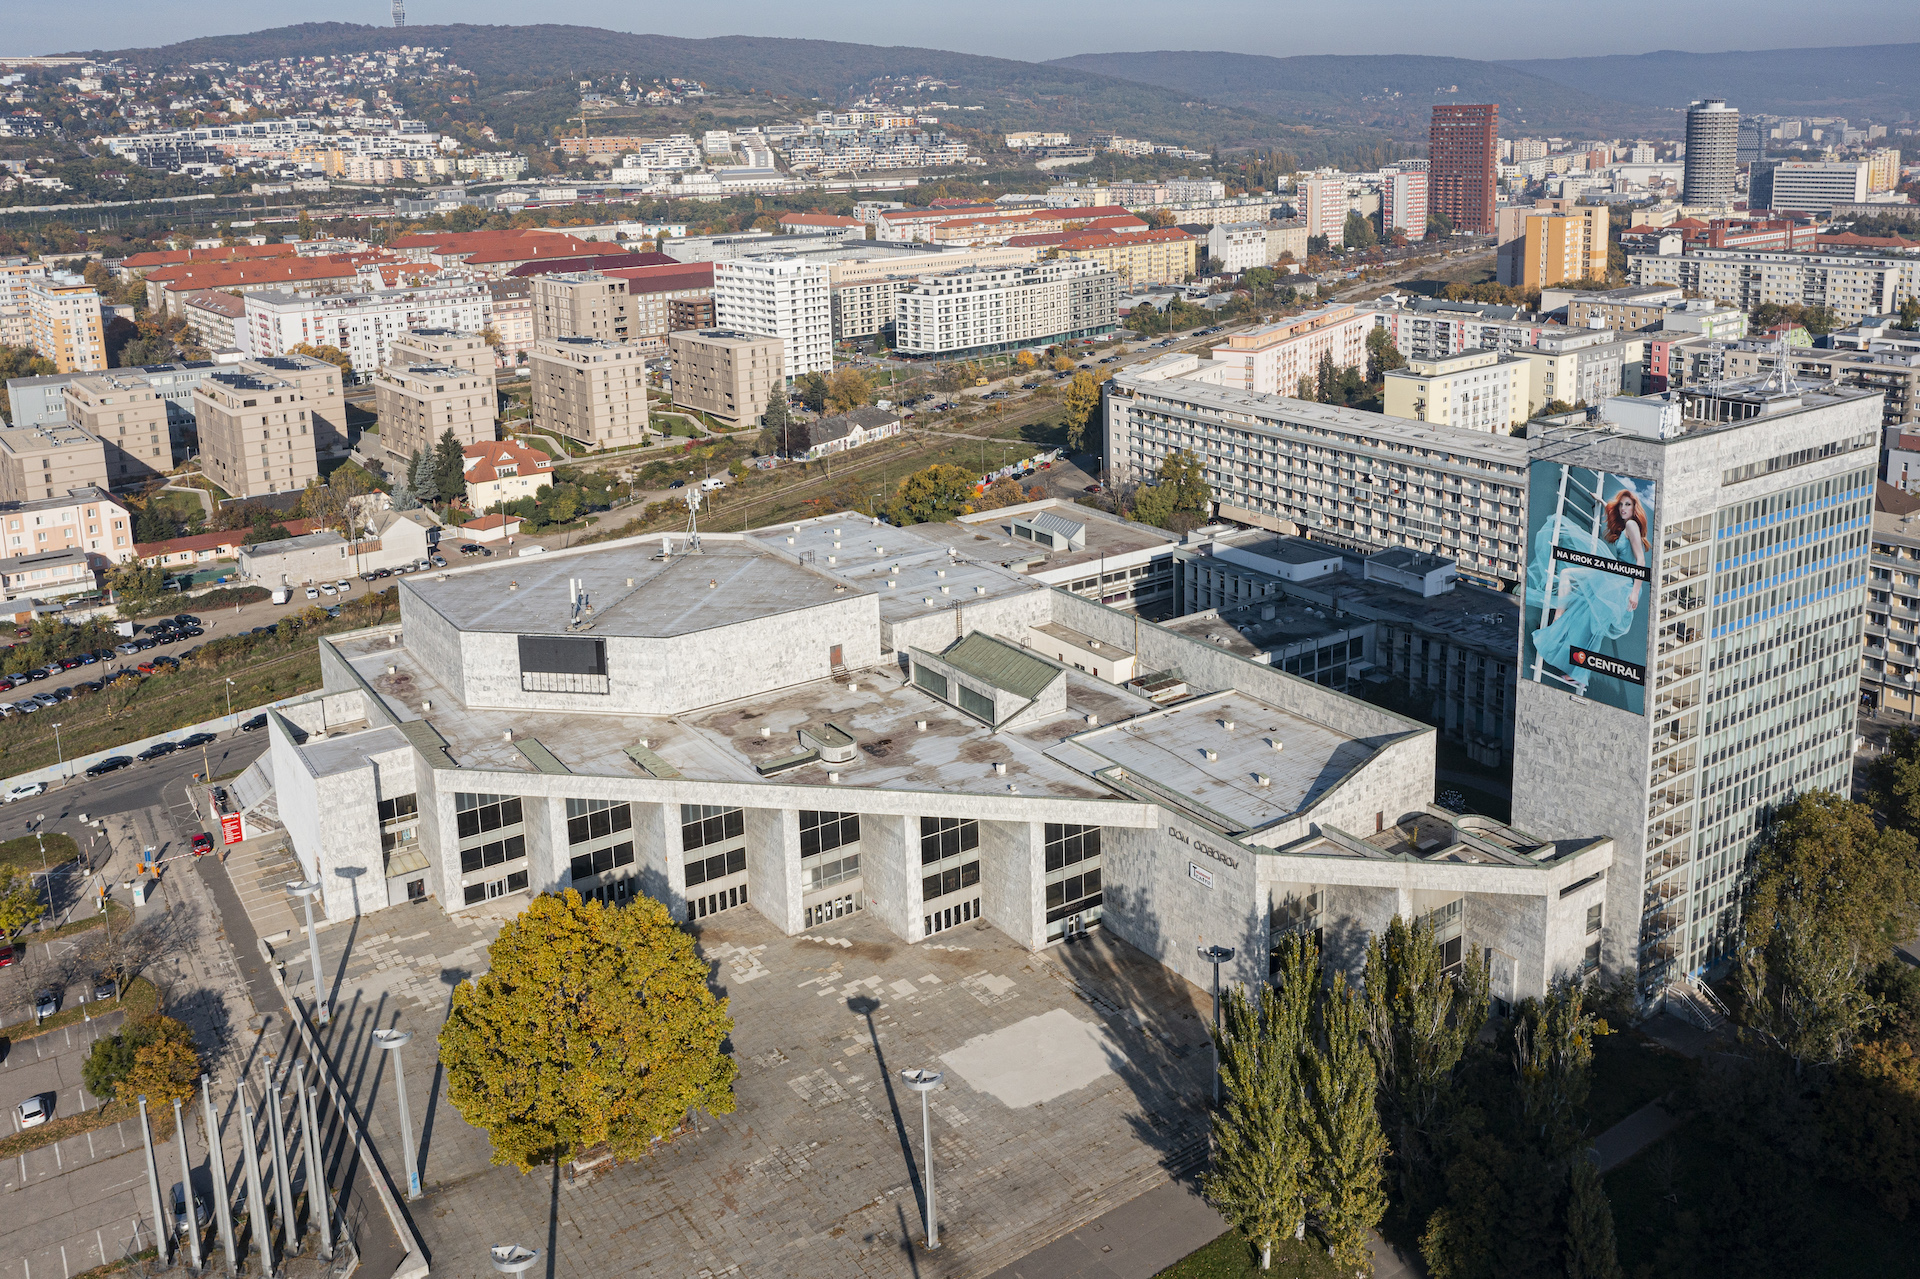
[
  {"x": 1013, "y": 880},
  {"x": 773, "y": 865},
  {"x": 658, "y": 855},
  {"x": 548, "y": 865},
  {"x": 890, "y": 870}
]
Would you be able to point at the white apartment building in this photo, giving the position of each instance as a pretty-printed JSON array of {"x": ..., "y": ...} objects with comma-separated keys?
[
  {"x": 1240, "y": 246},
  {"x": 1483, "y": 390},
  {"x": 981, "y": 310},
  {"x": 16, "y": 329},
  {"x": 364, "y": 325},
  {"x": 1403, "y": 204},
  {"x": 1361, "y": 480},
  {"x": 1272, "y": 359},
  {"x": 1810, "y": 186},
  {"x": 1428, "y": 328},
  {"x": 779, "y": 297},
  {"x": 1851, "y": 285}
]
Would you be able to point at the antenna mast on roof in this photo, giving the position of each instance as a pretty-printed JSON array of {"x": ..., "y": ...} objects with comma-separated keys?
[
  {"x": 1782, "y": 373},
  {"x": 693, "y": 521}
]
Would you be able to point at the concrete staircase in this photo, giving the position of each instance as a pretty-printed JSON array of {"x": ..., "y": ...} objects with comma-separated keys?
[{"x": 1693, "y": 1000}]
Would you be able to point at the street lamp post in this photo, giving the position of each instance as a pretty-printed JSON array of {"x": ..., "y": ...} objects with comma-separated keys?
[
  {"x": 59, "y": 753},
  {"x": 393, "y": 1041},
  {"x": 307, "y": 890},
  {"x": 162, "y": 1236},
  {"x": 229, "y": 705},
  {"x": 1216, "y": 955},
  {"x": 924, "y": 1082},
  {"x": 186, "y": 1185}
]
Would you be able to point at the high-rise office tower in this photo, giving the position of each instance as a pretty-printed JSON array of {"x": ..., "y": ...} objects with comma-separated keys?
[
  {"x": 1462, "y": 172},
  {"x": 1752, "y": 145},
  {"x": 1690, "y": 633},
  {"x": 1713, "y": 144}
]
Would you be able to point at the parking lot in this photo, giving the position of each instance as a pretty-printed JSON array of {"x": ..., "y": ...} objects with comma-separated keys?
[{"x": 74, "y": 1204}]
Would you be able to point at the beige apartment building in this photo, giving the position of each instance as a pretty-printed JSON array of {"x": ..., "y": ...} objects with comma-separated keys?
[
  {"x": 590, "y": 391},
  {"x": 85, "y": 519},
  {"x": 453, "y": 347},
  {"x": 129, "y": 418},
  {"x": 257, "y": 427},
  {"x": 419, "y": 403},
  {"x": 728, "y": 374},
  {"x": 47, "y": 461},
  {"x": 580, "y": 304},
  {"x": 63, "y": 322}
]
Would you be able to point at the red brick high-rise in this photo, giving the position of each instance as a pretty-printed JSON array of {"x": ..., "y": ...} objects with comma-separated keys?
[{"x": 1462, "y": 170}]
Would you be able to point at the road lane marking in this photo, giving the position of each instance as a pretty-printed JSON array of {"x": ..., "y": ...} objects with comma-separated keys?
[{"x": 58, "y": 1162}]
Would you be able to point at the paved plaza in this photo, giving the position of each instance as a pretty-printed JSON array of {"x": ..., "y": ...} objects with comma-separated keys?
[{"x": 1074, "y": 1081}]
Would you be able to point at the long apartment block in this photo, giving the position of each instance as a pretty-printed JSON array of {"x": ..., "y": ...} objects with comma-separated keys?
[{"x": 1362, "y": 480}]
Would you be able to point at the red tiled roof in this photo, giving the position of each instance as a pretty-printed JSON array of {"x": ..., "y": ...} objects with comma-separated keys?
[
  {"x": 461, "y": 241},
  {"x": 939, "y": 209},
  {"x": 227, "y": 275},
  {"x": 591, "y": 262},
  {"x": 1098, "y": 239},
  {"x": 666, "y": 278},
  {"x": 231, "y": 305},
  {"x": 485, "y": 459},
  {"x": 486, "y": 522},
  {"x": 229, "y": 540},
  {"x": 225, "y": 253}
]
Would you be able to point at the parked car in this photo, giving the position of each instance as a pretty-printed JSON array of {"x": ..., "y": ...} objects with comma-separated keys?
[
  {"x": 313, "y": 592},
  {"x": 202, "y": 844},
  {"x": 33, "y": 1111},
  {"x": 197, "y": 739},
  {"x": 46, "y": 1004},
  {"x": 258, "y": 721},
  {"x": 157, "y": 750},
  {"x": 7, "y": 955},
  {"x": 343, "y": 586},
  {"x": 186, "y": 619},
  {"x": 89, "y": 659},
  {"x": 220, "y": 796},
  {"x": 326, "y": 588},
  {"x": 110, "y": 764},
  {"x": 147, "y": 668},
  {"x": 677, "y": 484},
  {"x": 439, "y": 561},
  {"x": 106, "y": 988},
  {"x": 27, "y": 791},
  {"x": 181, "y": 1223},
  {"x": 26, "y": 707}
]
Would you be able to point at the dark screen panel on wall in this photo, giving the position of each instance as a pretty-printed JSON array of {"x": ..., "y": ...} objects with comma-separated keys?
[{"x": 563, "y": 664}]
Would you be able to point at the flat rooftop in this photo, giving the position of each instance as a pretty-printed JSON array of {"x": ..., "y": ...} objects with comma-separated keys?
[
  {"x": 911, "y": 571},
  {"x": 1188, "y": 757},
  {"x": 729, "y": 742},
  {"x": 991, "y": 537},
  {"x": 632, "y": 588}
]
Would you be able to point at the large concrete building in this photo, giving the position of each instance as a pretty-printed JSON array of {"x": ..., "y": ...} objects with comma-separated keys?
[
  {"x": 82, "y": 519},
  {"x": 726, "y": 374},
  {"x": 1854, "y": 286},
  {"x": 1463, "y": 171},
  {"x": 1360, "y": 480},
  {"x": 1713, "y": 140},
  {"x": 986, "y": 310},
  {"x": 1483, "y": 390},
  {"x": 260, "y": 422},
  {"x": 839, "y": 716},
  {"x": 593, "y": 393},
  {"x": 1557, "y": 247},
  {"x": 1809, "y": 186},
  {"x": 130, "y": 419},
  {"x": 419, "y": 403},
  {"x": 64, "y": 323},
  {"x": 48, "y": 460},
  {"x": 1738, "y": 518},
  {"x": 453, "y": 347},
  {"x": 779, "y": 297},
  {"x": 580, "y": 304},
  {"x": 1273, "y": 359},
  {"x": 364, "y": 325}
]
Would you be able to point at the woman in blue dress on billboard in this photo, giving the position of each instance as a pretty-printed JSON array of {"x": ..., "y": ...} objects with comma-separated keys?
[{"x": 1591, "y": 605}]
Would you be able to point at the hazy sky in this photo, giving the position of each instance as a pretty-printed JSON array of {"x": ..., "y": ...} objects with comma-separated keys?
[{"x": 1464, "y": 28}]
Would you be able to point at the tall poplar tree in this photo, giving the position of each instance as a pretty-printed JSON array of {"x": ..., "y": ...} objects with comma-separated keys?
[
  {"x": 1259, "y": 1176},
  {"x": 1348, "y": 1193}
]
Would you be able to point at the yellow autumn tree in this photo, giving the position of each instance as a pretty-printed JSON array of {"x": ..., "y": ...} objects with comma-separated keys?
[
  {"x": 593, "y": 1025},
  {"x": 166, "y": 1066},
  {"x": 847, "y": 390}
]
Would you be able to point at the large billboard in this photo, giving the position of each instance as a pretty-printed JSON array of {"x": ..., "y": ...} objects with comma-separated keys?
[{"x": 1590, "y": 594}]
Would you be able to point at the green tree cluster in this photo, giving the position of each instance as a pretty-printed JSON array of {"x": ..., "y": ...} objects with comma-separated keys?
[
  {"x": 1180, "y": 499},
  {"x": 153, "y": 1056},
  {"x": 938, "y": 492}
]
